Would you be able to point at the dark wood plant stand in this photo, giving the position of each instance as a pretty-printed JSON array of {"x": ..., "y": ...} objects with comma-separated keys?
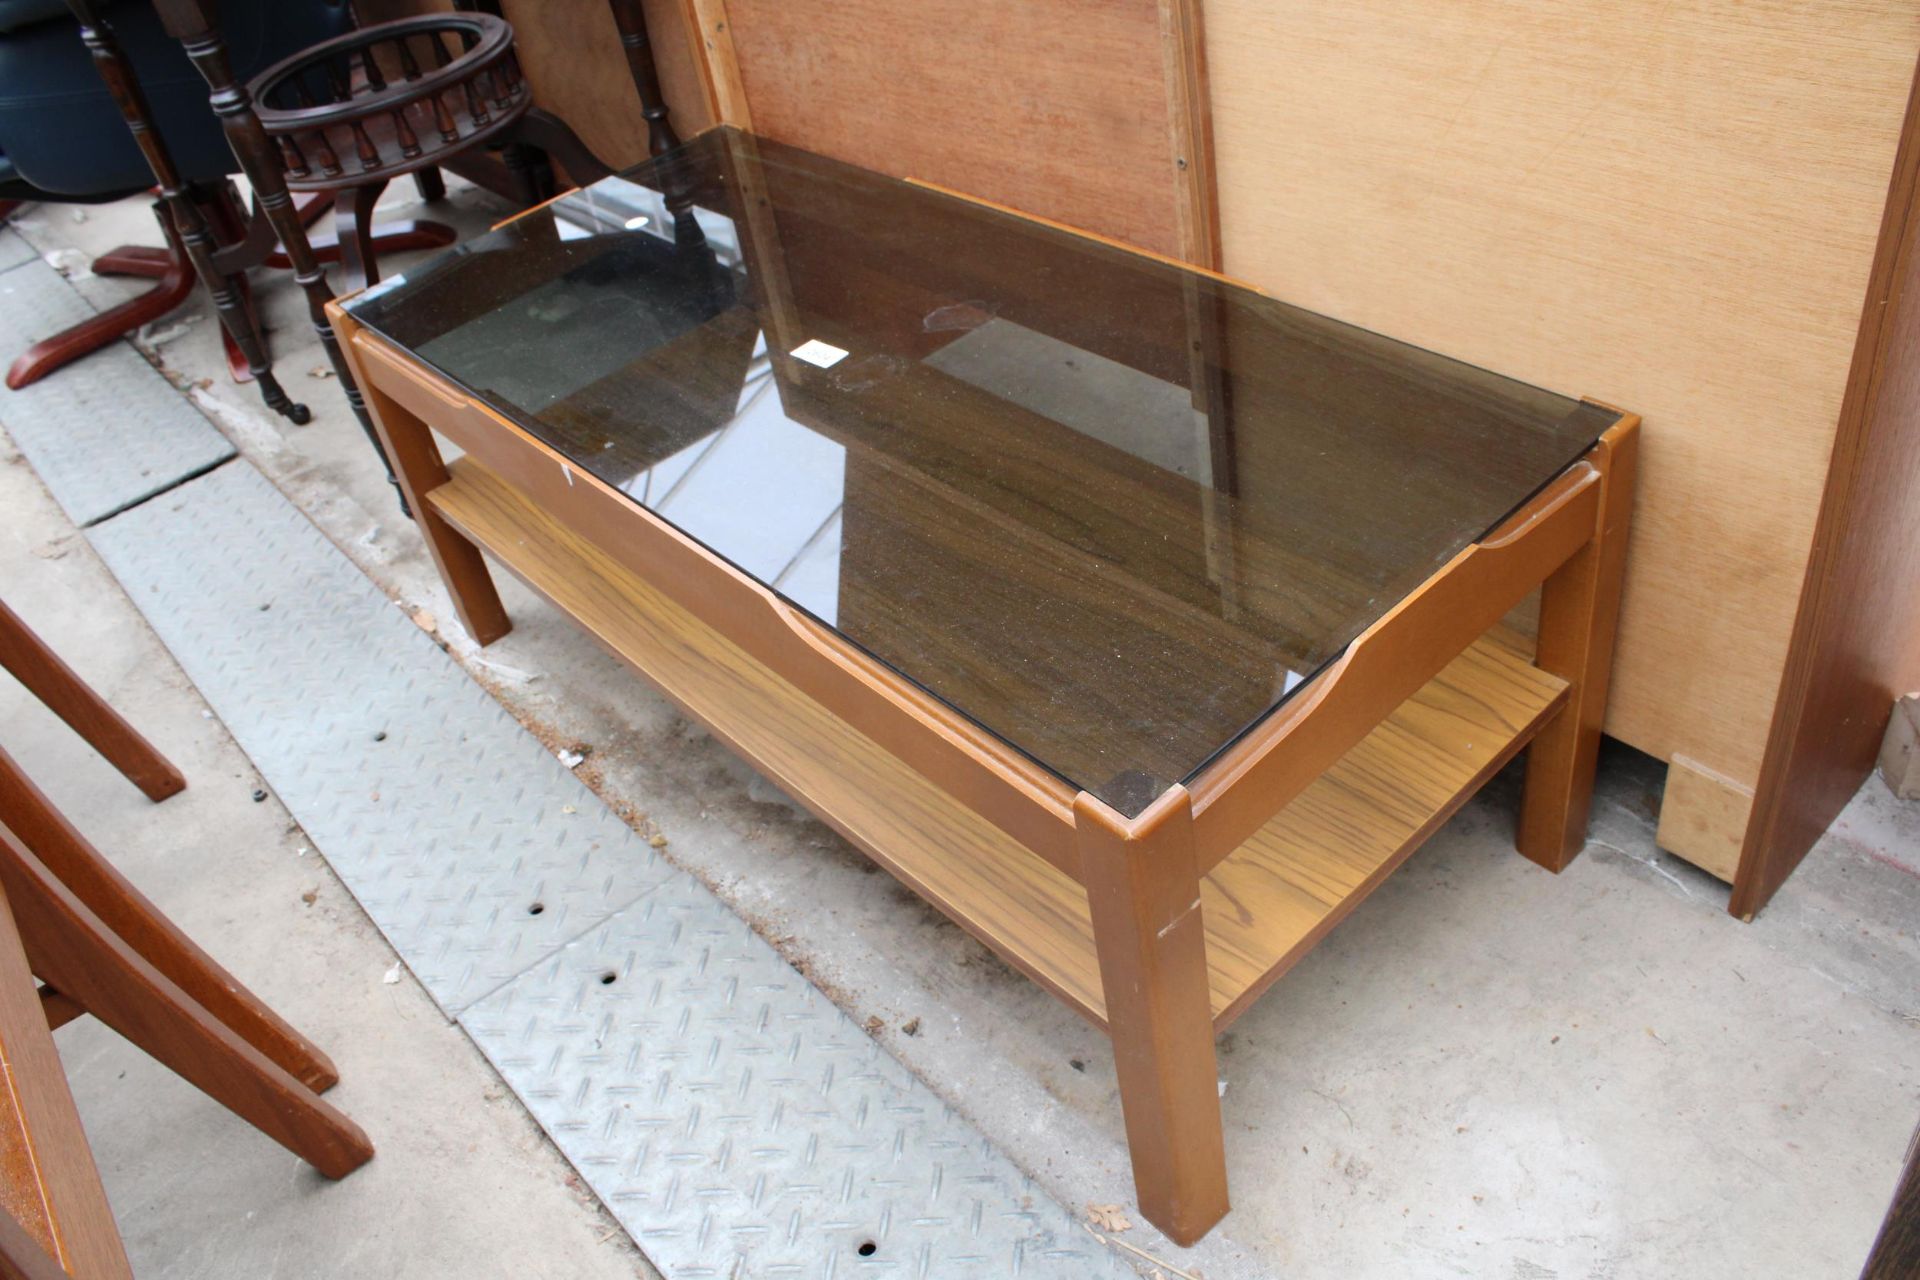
[
  {"x": 193, "y": 23},
  {"x": 352, "y": 113},
  {"x": 205, "y": 235}
]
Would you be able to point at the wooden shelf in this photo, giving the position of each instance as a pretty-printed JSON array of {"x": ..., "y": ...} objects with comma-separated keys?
[{"x": 1264, "y": 906}]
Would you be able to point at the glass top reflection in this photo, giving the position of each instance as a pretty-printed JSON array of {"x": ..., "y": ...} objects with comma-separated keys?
[{"x": 1113, "y": 511}]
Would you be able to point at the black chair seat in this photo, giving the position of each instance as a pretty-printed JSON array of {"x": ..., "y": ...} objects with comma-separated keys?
[{"x": 59, "y": 126}]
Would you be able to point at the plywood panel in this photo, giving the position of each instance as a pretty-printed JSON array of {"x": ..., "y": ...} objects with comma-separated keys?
[
  {"x": 1671, "y": 206},
  {"x": 1060, "y": 110},
  {"x": 1856, "y": 644},
  {"x": 572, "y": 55}
]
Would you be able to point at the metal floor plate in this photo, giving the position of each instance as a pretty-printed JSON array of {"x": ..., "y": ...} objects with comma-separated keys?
[
  {"x": 738, "y": 1124},
  {"x": 735, "y": 1121},
  {"x": 14, "y": 250},
  {"x": 107, "y": 431},
  {"x": 473, "y": 849}
]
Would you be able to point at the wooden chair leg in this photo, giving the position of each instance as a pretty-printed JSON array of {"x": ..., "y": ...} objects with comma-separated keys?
[
  {"x": 630, "y": 19},
  {"x": 71, "y": 949},
  {"x": 54, "y": 1216},
  {"x": 429, "y": 183},
  {"x": 95, "y": 332},
  {"x": 192, "y": 22},
  {"x": 183, "y": 219},
  {"x": 353, "y": 229},
  {"x": 124, "y": 909},
  {"x": 1144, "y": 890},
  {"x": 1578, "y": 611},
  {"x": 52, "y": 681}
]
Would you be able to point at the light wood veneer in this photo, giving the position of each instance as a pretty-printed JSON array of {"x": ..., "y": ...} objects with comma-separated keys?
[{"x": 1264, "y": 906}]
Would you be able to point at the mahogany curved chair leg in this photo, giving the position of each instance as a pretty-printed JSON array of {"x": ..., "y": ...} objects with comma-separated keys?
[
  {"x": 134, "y": 260},
  {"x": 87, "y": 337}
]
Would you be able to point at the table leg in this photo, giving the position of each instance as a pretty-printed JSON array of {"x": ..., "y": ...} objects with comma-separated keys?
[
  {"x": 1143, "y": 887},
  {"x": 1579, "y": 609},
  {"x": 418, "y": 468},
  {"x": 52, "y": 681}
]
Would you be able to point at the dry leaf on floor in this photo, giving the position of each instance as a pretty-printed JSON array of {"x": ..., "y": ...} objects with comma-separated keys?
[
  {"x": 311, "y": 895},
  {"x": 658, "y": 842},
  {"x": 424, "y": 619},
  {"x": 1108, "y": 1217}
]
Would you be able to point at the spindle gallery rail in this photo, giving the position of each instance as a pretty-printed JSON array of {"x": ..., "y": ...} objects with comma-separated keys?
[{"x": 374, "y": 104}]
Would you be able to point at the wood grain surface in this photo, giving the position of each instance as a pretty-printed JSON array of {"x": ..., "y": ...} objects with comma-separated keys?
[
  {"x": 1672, "y": 206},
  {"x": 48, "y": 1182},
  {"x": 1856, "y": 641},
  {"x": 1265, "y": 906},
  {"x": 1061, "y": 109}
]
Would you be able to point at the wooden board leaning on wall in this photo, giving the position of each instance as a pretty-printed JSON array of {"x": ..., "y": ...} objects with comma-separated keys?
[
  {"x": 1670, "y": 206},
  {"x": 1094, "y": 116}
]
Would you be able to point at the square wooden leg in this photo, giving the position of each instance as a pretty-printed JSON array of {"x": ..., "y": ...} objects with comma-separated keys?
[
  {"x": 52, "y": 681},
  {"x": 418, "y": 469},
  {"x": 1579, "y": 609},
  {"x": 1143, "y": 887}
]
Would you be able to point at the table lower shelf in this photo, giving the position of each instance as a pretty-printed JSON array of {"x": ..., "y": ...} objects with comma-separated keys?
[{"x": 1264, "y": 907}]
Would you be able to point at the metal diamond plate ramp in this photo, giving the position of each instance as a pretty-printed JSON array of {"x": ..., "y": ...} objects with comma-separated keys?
[
  {"x": 107, "y": 431},
  {"x": 14, "y": 250},
  {"x": 470, "y": 846},
  {"x": 738, "y": 1124}
]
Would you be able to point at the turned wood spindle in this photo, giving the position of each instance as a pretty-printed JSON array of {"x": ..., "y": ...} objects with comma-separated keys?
[
  {"x": 329, "y": 161},
  {"x": 181, "y": 219},
  {"x": 443, "y": 117},
  {"x": 341, "y": 80},
  {"x": 295, "y": 160},
  {"x": 403, "y": 133},
  {"x": 191, "y": 22},
  {"x": 364, "y": 148},
  {"x": 476, "y": 103},
  {"x": 632, "y": 23}
]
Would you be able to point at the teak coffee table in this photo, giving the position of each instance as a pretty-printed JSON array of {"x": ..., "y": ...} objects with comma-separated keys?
[{"x": 1141, "y": 623}]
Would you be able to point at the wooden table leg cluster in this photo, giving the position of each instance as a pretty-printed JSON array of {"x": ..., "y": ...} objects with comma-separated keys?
[
  {"x": 189, "y": 224},
  {"x": 98, "y": 947}
]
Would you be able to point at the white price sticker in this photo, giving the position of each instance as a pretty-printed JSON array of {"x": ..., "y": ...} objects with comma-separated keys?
[{"x": 824, "y": 354}]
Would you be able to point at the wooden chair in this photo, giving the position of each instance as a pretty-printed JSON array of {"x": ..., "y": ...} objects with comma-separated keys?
[{"x": 99, "y": 947}]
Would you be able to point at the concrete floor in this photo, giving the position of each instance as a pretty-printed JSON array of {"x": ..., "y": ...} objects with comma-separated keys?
[{"x": 1487, "y": 1071}]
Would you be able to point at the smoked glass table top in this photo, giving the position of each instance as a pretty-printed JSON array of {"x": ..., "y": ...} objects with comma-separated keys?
[{"x": 1113, "y": 511}]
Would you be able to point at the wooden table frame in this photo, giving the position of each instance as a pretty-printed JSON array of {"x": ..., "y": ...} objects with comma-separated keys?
[{"x": 1152, "y": 927}]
